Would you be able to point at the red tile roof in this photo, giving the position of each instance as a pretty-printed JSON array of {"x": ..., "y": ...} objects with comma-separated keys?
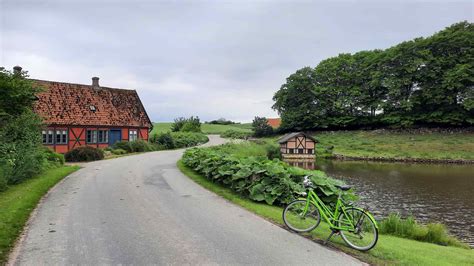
[
  {"x": 70, "y": 104},
  {"x": 274, "y": 122}
]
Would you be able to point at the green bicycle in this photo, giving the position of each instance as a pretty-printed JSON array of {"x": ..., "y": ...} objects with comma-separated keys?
[{"x": 356, "y": 226}]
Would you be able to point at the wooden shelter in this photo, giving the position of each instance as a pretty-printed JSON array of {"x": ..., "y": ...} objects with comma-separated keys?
[{"x": 297, "y": 145}]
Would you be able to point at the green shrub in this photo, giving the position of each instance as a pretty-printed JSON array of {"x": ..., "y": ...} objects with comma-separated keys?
[
  {"x": 141, "y": 146},
  {"x": 235, "y": 134},
  {"x": 408, "y": 228},
  {"x": 123, "y": 145},
  {"x": 164, "y": 140},
  {"x": 188, "y": 139},
  {"x": 273, "y": 151},
  {"x": 191, "y": 124},
  {"x": 258, "y": 178},
  {"x": 84, "y": 154},
  {"x": 261, "y": 128},
  {"x": 119, "y": 151},
  {"x": 53, "y": 157}
]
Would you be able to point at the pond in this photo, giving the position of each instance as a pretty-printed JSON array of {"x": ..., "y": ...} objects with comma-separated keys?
[{"x": 430, "y": 192}]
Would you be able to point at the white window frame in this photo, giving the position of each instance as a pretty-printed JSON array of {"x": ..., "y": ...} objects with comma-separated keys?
[{"x": 132, "y": 134}]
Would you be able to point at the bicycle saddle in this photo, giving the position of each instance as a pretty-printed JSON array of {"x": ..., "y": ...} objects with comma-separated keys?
[{"x": 343, "y": 188}]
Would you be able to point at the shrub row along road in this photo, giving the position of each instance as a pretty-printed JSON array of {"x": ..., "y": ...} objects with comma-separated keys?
[{"x": 141, "y": 210}]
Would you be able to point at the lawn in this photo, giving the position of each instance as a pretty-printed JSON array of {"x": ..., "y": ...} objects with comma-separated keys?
[
  {"x": 389, "y": 249},
  {"x": 206, "y": 128},
  {"x": 442, "y": 146},
  {"x": 18, "y": 201}
]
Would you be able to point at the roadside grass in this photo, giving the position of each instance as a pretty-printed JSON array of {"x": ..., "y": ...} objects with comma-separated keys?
[
  {"x": 394, "y": 145},
  {"x": 20, "y": 200},
  {"x": 206, "y": 128},
  {"x": 389, "y": 250}
]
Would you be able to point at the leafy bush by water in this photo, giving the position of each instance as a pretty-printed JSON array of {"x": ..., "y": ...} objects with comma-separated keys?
[
  {"x": 84, "y": 154},
  {"x": 409, "y": 228},
  {"x": 258, "y": 178}
]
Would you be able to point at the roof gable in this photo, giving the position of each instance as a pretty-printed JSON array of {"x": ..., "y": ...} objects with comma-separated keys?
[
  {"x": 289, "y": 136},
  {"x": 77, "y": 104}
]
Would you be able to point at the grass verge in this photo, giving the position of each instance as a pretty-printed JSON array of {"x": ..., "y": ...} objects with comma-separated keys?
[
  {"x": 20, "y": 200},
  {"x": 390, "y": 250}
]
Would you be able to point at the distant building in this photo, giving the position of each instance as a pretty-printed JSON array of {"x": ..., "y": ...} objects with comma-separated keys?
[
  {"x": 297, "y": 145},
  {"x": 89, "y": 115},
  {"x": 274, "y": 122}
]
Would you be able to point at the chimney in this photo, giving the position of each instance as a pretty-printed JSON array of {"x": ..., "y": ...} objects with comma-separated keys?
[
  {"x": 17, "y": 70},
  {"x": 95, "y": 82}
]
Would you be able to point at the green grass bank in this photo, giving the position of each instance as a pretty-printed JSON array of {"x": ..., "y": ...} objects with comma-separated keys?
[
  {"x": 399, "y": 145},
  {"x": 390, "y": 250},
  {"x": 20, "y": 200},
  {"x": 206, "y": 128}
]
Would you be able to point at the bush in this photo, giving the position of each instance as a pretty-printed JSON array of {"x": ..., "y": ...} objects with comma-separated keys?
[
  {"x": 235, "y": 134},
  {"x": 188, "y": 139},
  {"x": 258, "y": 178},
  {"x": 192, "y": 124},
  {"x": 53, "y": 157},
  {"x": 261, "y": 128},
  {"x": 119, "y": 151},
  {"x": 273, "y": 151},
  {"x": 123, "y": 145},
  {"x": 408, "y": 228},
  {"x": 84, "y": 154},
  {"x": 164, "y": 140},
  {"x": 141, "y": 146}
]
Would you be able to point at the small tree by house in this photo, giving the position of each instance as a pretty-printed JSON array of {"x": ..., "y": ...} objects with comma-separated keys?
[{"x": 261, "y": 128}]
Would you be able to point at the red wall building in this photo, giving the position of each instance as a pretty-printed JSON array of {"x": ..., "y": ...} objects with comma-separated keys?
[{"x": 77, "y": 115}]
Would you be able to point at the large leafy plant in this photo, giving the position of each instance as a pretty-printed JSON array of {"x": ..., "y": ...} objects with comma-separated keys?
[{"x": 258, "y": 178}]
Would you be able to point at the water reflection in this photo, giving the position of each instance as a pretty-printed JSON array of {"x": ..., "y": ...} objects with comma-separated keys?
[{"x": 443, "y": 193}]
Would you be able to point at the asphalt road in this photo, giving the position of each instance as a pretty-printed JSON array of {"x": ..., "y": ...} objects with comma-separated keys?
[{"x": 141, "y": 210}]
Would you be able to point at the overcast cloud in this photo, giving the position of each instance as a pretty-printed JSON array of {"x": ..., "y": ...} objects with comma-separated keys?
[{"x": 206, "y": 58}]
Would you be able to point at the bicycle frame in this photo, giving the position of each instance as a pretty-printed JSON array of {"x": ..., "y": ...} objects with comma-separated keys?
[{"x": 330, "y": 216}]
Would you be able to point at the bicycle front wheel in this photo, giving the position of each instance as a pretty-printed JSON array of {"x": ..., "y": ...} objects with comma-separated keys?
[
  {"x": 299, "y": 220},
  {"x": 364, "y": 235}
]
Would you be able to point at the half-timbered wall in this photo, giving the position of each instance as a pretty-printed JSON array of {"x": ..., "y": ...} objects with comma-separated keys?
[
  {"x": 298, "y": 145},
  {"x": 77, "y": 136}
]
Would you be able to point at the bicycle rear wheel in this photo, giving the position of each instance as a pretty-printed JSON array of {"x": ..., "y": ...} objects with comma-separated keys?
[
  {"x": 365, "y": 234},
  {"x": 298, "y": 220}
]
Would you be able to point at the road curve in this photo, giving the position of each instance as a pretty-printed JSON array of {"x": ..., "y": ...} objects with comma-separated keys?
[{"x": 141, "y": 210}]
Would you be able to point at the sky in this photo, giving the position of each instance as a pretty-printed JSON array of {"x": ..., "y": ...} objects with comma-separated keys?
[{"x": 213, "y": 59}]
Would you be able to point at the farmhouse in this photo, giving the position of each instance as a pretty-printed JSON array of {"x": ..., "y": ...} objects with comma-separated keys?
[
  {"x": 297, "y": 145},
  {"x": 77, "y": 115},
  {"x": 274, "y": 122}
]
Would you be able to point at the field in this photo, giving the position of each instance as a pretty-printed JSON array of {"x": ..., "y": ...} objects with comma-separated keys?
[
  {"x": 18, "y": 201},
  {"x": 386, "y": 144},
  {"x": 206, "y": 128}
]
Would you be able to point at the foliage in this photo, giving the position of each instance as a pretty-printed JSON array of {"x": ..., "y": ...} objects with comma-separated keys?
[
  {"x": 188, "y": 139},
  {"x": 221, "y": 121},
  {"x": 53, "y": 157},
  {"x": 21, "y": 152},
  {"x": 118, "y": 151},
  {"x": 409, "y": 228},
  {"x": 191, "y": 124},
  {"x": 134, "y": 146},
  {"x": 163, "y": 139},
  {"x": 273, "y": 151},
  {"x": 426, "y": 81},
  {"x": 261, "y": 128},
  {"x": 178, "y": 139},
  {"x": 258, "y": 178},
  {"x": 84, "y": 154},
  {"x": 235, "y": 134},
  {"x": 20, "y": 200}
]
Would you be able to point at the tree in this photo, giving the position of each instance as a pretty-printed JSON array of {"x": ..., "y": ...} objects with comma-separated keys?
[{"x": 260, "y": 127}]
